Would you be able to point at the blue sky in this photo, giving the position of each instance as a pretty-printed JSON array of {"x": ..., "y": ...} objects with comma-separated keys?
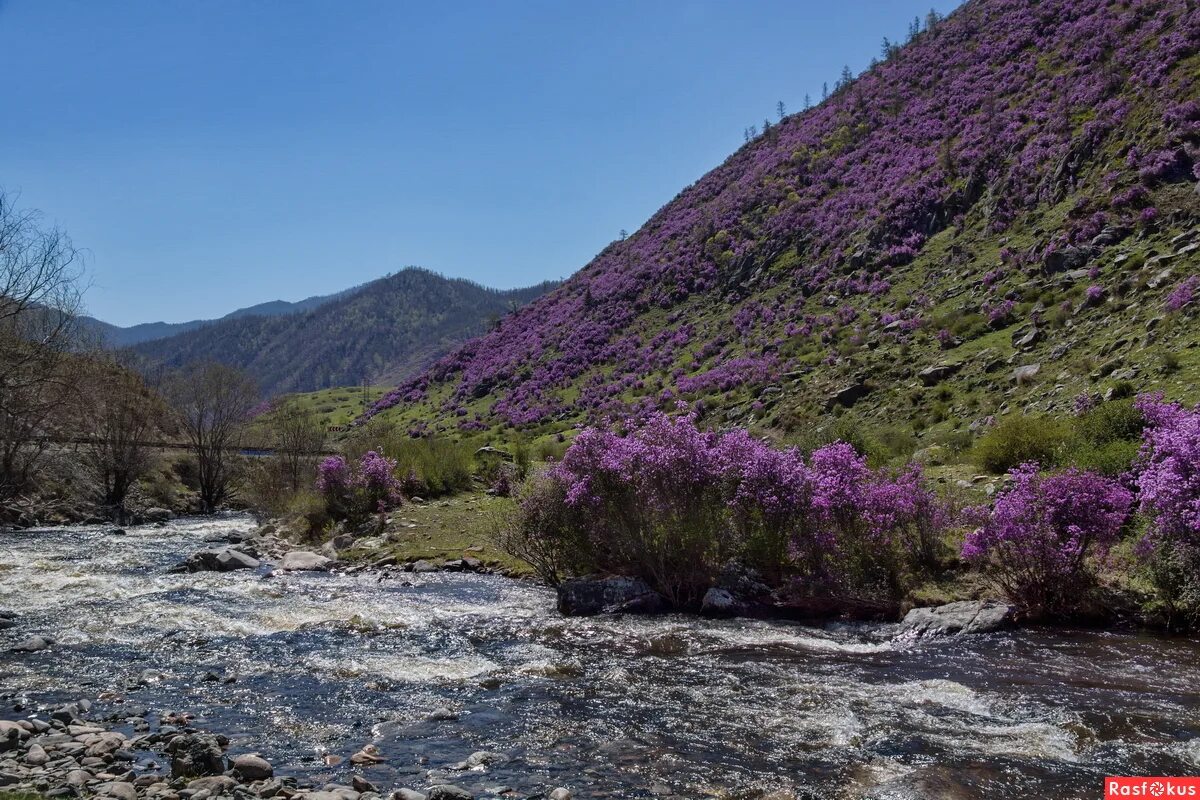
[{"x": 211, "y": 155}]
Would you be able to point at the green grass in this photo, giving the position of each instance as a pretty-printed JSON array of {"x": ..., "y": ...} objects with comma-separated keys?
[{"x": 453, "y": 527}]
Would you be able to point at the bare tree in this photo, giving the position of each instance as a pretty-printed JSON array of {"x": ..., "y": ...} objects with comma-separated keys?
[
  {"x": 213, "y": 403},
  {"x": 40, "y": 296},
  {"x": 122, "y": 416},
  {"x": 298, "y": 437}
]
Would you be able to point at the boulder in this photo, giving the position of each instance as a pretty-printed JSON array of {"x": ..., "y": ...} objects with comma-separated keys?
[
  {"x": 121, "y": 790},
  {"x": 447, "y": 791},
  {"x": 8, "y": 619},
  {"x": 214, "y": 784},
  {"x": 1026, "y": 373},
  {"x": 721, "y": 603},
  {"x": 156, "y": 515},
  {"x": 583, "y": 597},
  {"x": 195, "y": 755},
  {"x": 1026, "y": 338},
  {"x": 931, "y": 376},
  {"x": 848, "y": 395},
  {"x": 252, "y": 768},
  {"x": 424, "y": 566},
  {"x": 952, "y": 619},
  {"x": 561, "y": 793},
  {"x": 305, "y": 561},
  {"x": 32, "y": 645},
  {"x": 226, "y": 559},
  {"x": 407, "y": 794},
  {"x": 1064, "y": 260},
  {"x": 36, "y": 756}
]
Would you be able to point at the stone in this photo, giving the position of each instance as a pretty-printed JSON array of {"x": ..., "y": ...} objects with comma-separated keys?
[
  {"x": 1026, "y": 373},
  {"x": 368, "y": 755},
  {"x": 361, "y": 784},
  {"x": 36, "y": 755},
  {"x": 8, "y": 619},
  {"x": 119, "y": 789},
  {"x": 213, "y": 784},
  {"x": 962, "y": 617},
  {"x": 156, "y": 515},
  {"x": 78, "y": 778},
  {"x": 252, "y": 768},
  {"x": 225, "y": 560},
  {"x": 32, "y": 645},
  {"x": 480, "y": 758},
  {"x": 442, "y": 715},
  {"x": 448, "y": 791},
  {"x": 721, "y": 603},
  {"x": 305, "y": 561},
  {"x": 933, "y": 375},
  {"x": 195, "y": 755},
  {"x": 582, "y": 597},
  {"x": 1025, "y": 339},
  {"x": 1068, "y": 258},
  {"x": 561, "y": 793},
  {"x": 407, "y": 794},
  {"x": 848, "y": 395},
  {"x": 424, "y": 566}
]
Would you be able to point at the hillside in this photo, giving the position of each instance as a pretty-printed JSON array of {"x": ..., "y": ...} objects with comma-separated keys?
[
  {"x": 385, "y": 330},
  {"x": 117, "y": 336},
  {"x": 992, "y": 219}
]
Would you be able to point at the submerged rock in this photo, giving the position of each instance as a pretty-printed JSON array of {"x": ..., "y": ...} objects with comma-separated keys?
[
  {"x": 952, "y": 619},
  {"x": 583, "y": 597},
  {"x": 195, "y": 755}
]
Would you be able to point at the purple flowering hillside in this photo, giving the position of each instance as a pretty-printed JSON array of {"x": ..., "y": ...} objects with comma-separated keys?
[{"x": 1003, "y": 214}]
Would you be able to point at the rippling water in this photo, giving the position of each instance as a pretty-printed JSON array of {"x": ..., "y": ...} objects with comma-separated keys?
[{"x": 611, "y": 707}]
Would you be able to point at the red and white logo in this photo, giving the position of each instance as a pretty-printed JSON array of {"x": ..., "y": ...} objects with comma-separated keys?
[{"x": 1151, "y": 787}]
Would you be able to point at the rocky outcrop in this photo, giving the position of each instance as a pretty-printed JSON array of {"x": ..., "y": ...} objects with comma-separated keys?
[
  {"x": 952, "y": 619},
  {"x": 583, "y": 597}
]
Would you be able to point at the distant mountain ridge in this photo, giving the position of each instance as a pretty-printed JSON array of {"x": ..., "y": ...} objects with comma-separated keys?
[
  {"x": 118, "y": 336},
  {"x": 382, "y": 331}
]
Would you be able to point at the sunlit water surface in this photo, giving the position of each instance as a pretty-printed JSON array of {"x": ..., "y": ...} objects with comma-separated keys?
[{"x": 611, "y": 707}]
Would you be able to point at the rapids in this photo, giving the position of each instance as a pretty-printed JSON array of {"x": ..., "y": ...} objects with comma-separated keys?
[{"x": 610, "y": 707}]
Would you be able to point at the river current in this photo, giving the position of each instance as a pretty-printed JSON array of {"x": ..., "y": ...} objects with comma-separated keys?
[{"x": 432, "y": 668}]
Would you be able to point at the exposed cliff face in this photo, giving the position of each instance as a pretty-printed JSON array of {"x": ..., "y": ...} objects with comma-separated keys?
[{"x": 1016, "y": 186}]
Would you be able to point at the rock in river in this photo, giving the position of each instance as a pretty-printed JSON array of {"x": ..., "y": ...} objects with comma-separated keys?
[
  {"x": 965, "y": 616},
  {"x": 252, "y": 768},
  {"x": 224, "y": 560},
  {"x": 447, "y": 791},
  {"x": 583, "y": 597},
  {"x": 32, "y": 644},
  {"x": 305, "y": 561}
]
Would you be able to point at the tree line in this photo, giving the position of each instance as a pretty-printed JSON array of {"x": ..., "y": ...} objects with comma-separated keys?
[{"x": 78, "y": 420}]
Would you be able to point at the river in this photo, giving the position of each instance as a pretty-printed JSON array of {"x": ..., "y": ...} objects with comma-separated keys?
[{"x": 609, "y": 707}]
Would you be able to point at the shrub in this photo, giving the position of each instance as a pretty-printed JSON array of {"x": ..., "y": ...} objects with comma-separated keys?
[
  {"x": 1167, "y": 475},
  {"x": 1107, "y": 437},
  {"x": 1020, "y": 439},
  {"x": 356, "y": 492},
  {"x": 544, "y": 532},
  {"x": 431, "y": 466},
  {"x": 671, "y": 504},
  {"x": 1039, "y": 537}
]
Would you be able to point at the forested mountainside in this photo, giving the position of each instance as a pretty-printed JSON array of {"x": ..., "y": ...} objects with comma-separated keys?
[
  {"x": 1001, "y": 215},
  {"x": 111, "y": 335},
  {"x": 385, "y": 330}
]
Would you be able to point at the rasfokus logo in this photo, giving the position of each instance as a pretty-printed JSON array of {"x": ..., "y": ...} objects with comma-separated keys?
[{"x": 1151, "y": 787}]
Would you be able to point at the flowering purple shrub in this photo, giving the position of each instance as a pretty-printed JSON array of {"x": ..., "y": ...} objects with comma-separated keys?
[
  {"x": 1168, "y": 468},
  {"x": 354, "y": 492},
  {"x": 1184, "y": 294},
  {"x": 1041, "y": 534},
  {"x": 671, "y": 503}
]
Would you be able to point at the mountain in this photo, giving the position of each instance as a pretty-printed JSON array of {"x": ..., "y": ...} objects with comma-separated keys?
[
  {"x": 995, "y": 218},
  {"x": 384, "y": 330},
  {"x": 116, "y": 336}
]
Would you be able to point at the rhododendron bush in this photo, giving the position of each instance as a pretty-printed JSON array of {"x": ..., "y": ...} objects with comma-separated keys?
[
  {"x": 1168, "y": 484},
  {"x": 1042, "y": 535},
  {"x": 672, "y": 503},
  {"x": 354, "y": 491}
]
